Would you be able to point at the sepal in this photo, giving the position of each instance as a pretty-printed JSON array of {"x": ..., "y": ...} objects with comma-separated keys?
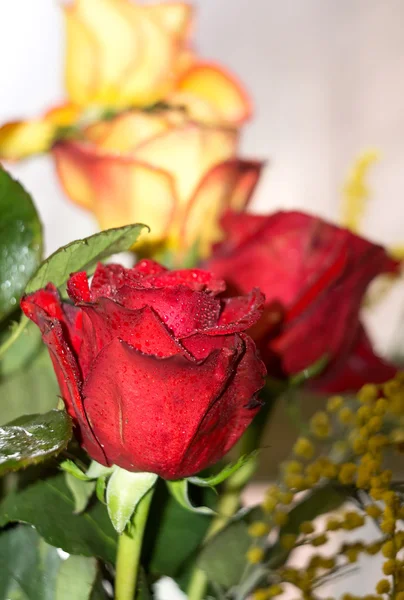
[
  {"x": 81, "y": 492},
  {"x": 124, "y": 492},
  {"x": 83, "y": 484},
  {"x": 245, "y": 462},
  {"x": 311, "y": 371},
  {"x": 70, "y": 467},
  {"x": 179, "y": 490}
]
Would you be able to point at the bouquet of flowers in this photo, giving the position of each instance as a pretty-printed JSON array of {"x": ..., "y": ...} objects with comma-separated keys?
[{"x": 136, "y": 399}]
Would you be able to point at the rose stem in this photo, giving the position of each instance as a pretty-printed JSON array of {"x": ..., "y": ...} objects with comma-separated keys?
[
  {"x": 129, "y": 549},
  {"x": 230, "y": 499}
]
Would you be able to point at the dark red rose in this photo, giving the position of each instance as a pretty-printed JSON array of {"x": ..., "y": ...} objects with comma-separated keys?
[
  {"x": 154, "y": 368},
  {"x": 314, "y": 276}
]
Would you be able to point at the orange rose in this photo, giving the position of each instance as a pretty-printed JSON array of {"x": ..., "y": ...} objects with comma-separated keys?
[
  {"x": 159, "y": 168},
  {"x": 122, "y": 54}
]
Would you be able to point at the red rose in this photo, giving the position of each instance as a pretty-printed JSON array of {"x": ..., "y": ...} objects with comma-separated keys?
[
  {"x": 153, "y": 367},
  {"x": 314, "y": 276}
]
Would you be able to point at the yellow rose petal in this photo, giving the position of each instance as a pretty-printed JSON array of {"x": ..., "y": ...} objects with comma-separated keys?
[
  {"x": 119, "y": 190},
  {"x": 20, "y": 139},
  {"x": 216, "y": 86},
  {"x": 128, "y": 130},
  {"x": 227, "y": 185},
  {"x": 151, "y": 73},
  {"x": 188, "y": 153},
  {"x": 174, "y": 16},
  {"x": 81, "y": 59}
]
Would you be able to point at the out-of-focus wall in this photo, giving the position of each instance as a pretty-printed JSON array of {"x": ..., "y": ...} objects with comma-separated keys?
[{"x": 326, "y": 78}]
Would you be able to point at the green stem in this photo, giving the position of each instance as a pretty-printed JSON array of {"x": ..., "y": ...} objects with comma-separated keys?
[{"x": 129, "y": 549}]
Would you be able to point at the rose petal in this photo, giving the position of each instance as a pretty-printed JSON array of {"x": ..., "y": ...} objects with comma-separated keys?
[
  {"x": 118, "y": 189},
  {"x": 46, "y": 303},
  {"x": 68, "y": 377},
  {"x": 335, "y": 312},
  {"x": 74, "y": 165},
  {"x": 188, "y": 153},
  {"x": 237, "y": 315},
  {"x": 195, "y": 279},
  {"x": 153, "y": 414},
  {"x": 64, "y": 114},
  {"x": 238, "y": 227},
  {"x": 117, "y": 45},
  {"x": 81, "y": 58},
  {"x": 290, "y": 256},
  {"x": 78, "y": 287},
  {"x": 230, "y": 415},
  {"x": 142, "y": 329},
  {"x": 221, "y": 89},
  {"x": 150, "y": 76},
  {"x": 240, "y": 313},
  {"x": 174, "y": 16},
  {"x": 196, "y": 109},
  {"x": 148, "y": 266},
  {"x": 126, "y": 131},
  {"x": 20, "y": 139},
  {"x": 64, "y": 362},
  {"x": 227, "y": 185},
  {"x": 108, "y": 279},
  {"x": 47, "y": 299},
  {"x": 353, "y": 370},
  {"x": 183, "y": 310}
]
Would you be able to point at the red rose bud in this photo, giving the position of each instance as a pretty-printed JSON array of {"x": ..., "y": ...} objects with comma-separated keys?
[
  {"x": 314, "y": 276},
  {"x": 153, "y": 366}
]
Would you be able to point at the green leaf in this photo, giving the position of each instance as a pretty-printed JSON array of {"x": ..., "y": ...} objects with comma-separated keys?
[
  {"x": 20, "y": 242},
  {"x": 223, "y": 558},
  {"x": 170, "y": 526},
  {"x": 32, "y": 569},
  {"x": 28, "y": 566},
  {"x": 32, "y": 439},
  {"x": 228, "y": 470},
  {"x": 81, "y": 491},
  {"x": 179, "y": 490},
  {"x": 49, "y": 506},
  {"x": 143, "y": 592},
  {"x": 23, "y": 352},
  {"x": 33, "y": 389},
  {"x": 76, "y": 256},
  {"x": 15, "y": 331},
  {"x": 124, "y": 492},
  {"x": 76, "y": 578},
  {"x": 82, "y": 254}
]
